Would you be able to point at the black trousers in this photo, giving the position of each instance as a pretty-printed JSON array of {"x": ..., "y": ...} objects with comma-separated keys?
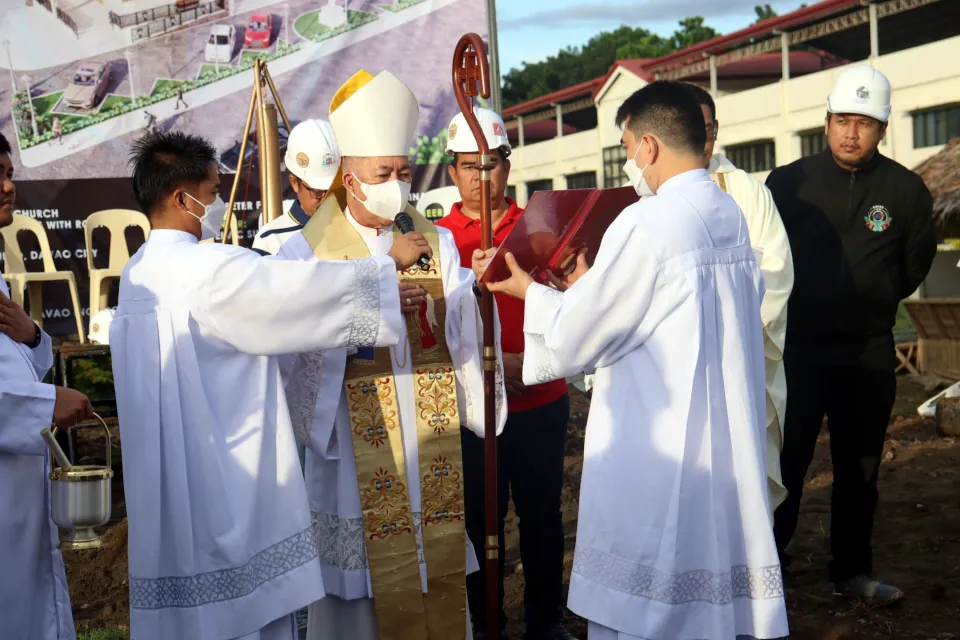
[
  {"x": 530, "y": 467},
  {"x": 857, "y": 401}
]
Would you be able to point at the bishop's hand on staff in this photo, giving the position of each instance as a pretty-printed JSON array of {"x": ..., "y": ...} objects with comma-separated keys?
[{"x": 384, "y": 469}]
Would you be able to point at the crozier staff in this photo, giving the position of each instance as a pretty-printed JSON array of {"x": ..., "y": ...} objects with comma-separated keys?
[
  {"x": 538, "y": 414},
  {"x": 221, "y": 545},
  {"x": 669, "y": 317},
  {"x": 384, "y": 465}
]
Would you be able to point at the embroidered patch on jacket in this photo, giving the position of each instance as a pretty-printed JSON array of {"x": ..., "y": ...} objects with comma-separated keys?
[{"x": 878, "y": 218}]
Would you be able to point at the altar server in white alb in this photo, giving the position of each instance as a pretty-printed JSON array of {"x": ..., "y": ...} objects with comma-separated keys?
[
  {"x": 220, "y": 544},
  {"x": 674, "y": 539},
  {"x": 34, "y": 601},
  {"x": 384, "y": 469},
  {"x": 769, "y": 237},
  {"x": 312, "y": 160}
]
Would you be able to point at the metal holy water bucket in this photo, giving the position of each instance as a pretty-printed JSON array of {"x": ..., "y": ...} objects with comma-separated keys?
[{"x": 80, "y": 496}]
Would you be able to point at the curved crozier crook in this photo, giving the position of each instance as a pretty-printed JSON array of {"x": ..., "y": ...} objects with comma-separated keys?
[{"x": 470, "y": 68}]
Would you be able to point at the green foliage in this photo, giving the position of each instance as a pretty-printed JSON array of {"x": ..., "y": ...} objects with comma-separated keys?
[
  {"x": 903, "y": 321},
  {"x": 401, "y": 5},
  {"x": 310, "y": 28},
  {"x": 574, "y": 65},
  {"x": 431, "y": 150},
  {"x": 113, "y": 100},
  {"x": 93, "y": 377},
  {"x": 764, "y": 12},
  {"x": 692, "y": 31},
  {"x": 103, "y": 634}
]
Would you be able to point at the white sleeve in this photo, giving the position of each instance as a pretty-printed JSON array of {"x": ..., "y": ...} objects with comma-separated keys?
[
  {"x": 464, "y": 333},
  {"x": 768, "y": 234},
  {"x": 313, "y": 381},
  {"x": 269, "y": 305},
  {"x": 606, "y": 314},
  {"x": 26, "y": 406}
]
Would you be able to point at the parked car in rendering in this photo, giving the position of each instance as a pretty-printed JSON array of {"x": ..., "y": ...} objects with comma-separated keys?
[
  {"x": 88, "y": 86},
  {"x": 220, "y": 44},
  {"x": 259, "y": 31}
]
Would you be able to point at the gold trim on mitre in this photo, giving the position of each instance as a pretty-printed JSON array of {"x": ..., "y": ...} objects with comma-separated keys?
[{"x": 374, "y": 117}]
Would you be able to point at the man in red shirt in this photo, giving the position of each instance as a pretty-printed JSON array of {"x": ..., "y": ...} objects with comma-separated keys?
[{"x": 530, "y": 451}]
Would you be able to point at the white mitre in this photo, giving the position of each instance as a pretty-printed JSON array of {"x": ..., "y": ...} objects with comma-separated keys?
[{"x": 374, "y": 117}]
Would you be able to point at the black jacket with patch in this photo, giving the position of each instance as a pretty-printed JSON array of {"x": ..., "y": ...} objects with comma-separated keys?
[{"x": 861, "y": 242}]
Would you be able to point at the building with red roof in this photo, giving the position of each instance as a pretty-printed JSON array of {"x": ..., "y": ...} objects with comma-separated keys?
[{"x": 770, "y": 82}]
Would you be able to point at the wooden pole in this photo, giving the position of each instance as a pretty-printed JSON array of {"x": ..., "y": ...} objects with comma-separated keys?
[{"x": 471, "y": 78}]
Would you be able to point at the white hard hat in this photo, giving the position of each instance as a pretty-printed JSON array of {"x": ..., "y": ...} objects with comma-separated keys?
[
  {"x": 861, "y": 90},
  {"x": 313, "y": 154},
  {"x": 100, "y": 326},
  {"x": 460, "y": 138}
]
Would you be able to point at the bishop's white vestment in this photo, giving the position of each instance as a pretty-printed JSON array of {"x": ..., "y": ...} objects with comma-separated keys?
[
  {"x": 220, "y": 540},
  {"x": 331, "y": 468},
  {"x": 34, "y": 601},
  {"x": 767, "y": 234},
  {"x": 674, "y": 539}
]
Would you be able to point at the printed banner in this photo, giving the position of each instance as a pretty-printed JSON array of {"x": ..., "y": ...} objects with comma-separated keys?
[{"x": 85, "y": 78}]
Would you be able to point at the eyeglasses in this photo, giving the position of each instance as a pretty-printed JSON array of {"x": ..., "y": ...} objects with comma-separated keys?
[{"x": 316, "y": 193}]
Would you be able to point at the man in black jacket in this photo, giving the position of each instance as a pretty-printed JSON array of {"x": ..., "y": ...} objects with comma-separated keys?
[{"x": 861, "y": 231}]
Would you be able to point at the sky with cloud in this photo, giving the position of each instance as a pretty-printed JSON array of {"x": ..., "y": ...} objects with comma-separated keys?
[{"x": 531, "y": 30}]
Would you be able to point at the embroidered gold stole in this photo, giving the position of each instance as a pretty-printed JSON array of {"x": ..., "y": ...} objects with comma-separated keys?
[
  {"x": 719, "y": 180},
  {"x": 403, "y": 611}
]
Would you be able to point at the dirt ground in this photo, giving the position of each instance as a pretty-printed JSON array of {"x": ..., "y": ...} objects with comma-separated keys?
[{"x": 916, "y": 541}]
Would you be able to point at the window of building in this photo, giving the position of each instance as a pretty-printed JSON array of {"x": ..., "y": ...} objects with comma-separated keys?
[
  {"x": 512, "y": 191},
  {"x": 752, "y": 157},
  {"x": 538, "y": 185},
  {"x": 812, "y": 142},
  {"x": 585, "y": 180},
  {"x": 613, "y": 159},
  {"x": 936, "y": 126}
]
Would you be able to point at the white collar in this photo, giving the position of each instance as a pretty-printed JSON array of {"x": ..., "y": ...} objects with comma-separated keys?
[
  {"x": 364, "y": 231},
  {"x": 720, "y": 164},
  {"x": 687, "y": 177},
  {"x": 171, "y": 236}
]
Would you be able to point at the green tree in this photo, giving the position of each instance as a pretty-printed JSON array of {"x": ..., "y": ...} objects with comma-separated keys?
[
  {"x": 692, "y": 31},
  {"x": 574, "y": 65},
  {"x": 764, "y": 11},
  {"x": 649, "y": 46}
]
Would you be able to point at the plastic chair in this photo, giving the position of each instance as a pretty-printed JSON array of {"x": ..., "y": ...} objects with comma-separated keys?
[
  {"x": 19, "y": 278},
  {"x": 116, "y": 221}
]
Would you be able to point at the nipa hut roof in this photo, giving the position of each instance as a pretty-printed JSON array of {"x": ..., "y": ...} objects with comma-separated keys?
[{"x": 941, "y": 173}]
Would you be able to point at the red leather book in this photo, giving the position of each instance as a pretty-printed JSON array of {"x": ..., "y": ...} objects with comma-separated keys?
[{"x": 555, "y": 227}]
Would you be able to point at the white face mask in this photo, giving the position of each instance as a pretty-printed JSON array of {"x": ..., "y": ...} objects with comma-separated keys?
[
  {"x": 386, "y": 199},
  {"x": 635, "y": 174},
  {"x": 212, "y": 219}
]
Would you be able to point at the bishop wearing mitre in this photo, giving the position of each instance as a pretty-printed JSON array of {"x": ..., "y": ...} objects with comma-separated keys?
[{"x": 382, "y": 425}]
